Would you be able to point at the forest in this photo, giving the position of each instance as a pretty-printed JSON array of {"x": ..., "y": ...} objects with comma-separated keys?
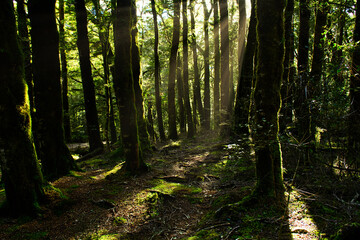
[{"x": 180, "y": 119}]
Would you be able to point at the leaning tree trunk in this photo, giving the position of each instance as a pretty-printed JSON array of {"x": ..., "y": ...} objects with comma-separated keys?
[
  {"x": 190, "y": 123},
  {"x": 216, "y": 64},
  {"x": 22, "y": 177},
  {"x": 55, "y": 157},
  {"x": 225, "y": 73},
  {"x": 267, "y": 99},
  {"x": 157, "y": 75},
  {"x": 92, "y": 121},
  {"x": 124, "y": 87},
  {"x": 354, "y": 119},
  {"x": 207, "y": 108}
]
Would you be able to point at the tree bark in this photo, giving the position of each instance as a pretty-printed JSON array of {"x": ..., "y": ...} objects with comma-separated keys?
[
  {"x": 270, "y": 32},
  {"x": 55, "y": 157},
  {"x": 180, "y": 86},
  {"x": 225, "y": 73},
  {"x": 124, "y": 87},
  {"x": 92, "y": 121},
  {"x": 157, "y": 75},
  {"x": 190, "y": 123},
  {"x": 22, "y": 177}
]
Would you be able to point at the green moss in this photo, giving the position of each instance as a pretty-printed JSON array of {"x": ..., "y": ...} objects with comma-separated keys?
[
  {"x": 75, "y": 174},
  {"x": 120, "y": 220},
  {"x": 206, "y": 235},
  {"x": 36, "y": 235},
  {"x": 169, "y": 188}
]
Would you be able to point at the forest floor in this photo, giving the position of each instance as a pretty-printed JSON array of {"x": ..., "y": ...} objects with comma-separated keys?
[{"x": 191, "y": 191}]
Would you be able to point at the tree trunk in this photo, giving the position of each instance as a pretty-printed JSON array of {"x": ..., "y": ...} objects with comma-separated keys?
[
  {"x": 172, "y": 71},
  {"x": 225, "y": 73},
  {"x": 354, "y": 128},
  {"x": 216, "y": 64},
  {"x": 124, "y": 87},
  {"x": 19, "y": 165},
  {"x": 55, "y": 157},
  {"x": 64, "y": 73},
  {"x": 242, "y": 33},
  {"x": 180, "y": 100},
  {"x": 197, "y": 92},
  {"x": 92, "y": 122},
  {"x": 286, "y": 110},
  {"x": 242, "y": 105},
  {"x": 207, "y": 108},
  {"x": 157, "y": 75},
  {"x": 190, "y": 123},
  {"x": 136, "y": 70},
  {"x": 267, "y": 99}
]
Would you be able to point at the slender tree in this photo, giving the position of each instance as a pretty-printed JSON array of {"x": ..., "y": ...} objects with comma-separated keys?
[
  {"x": 216, "y": 64},
  {"x": 92, "y": 121},
  {"x": 124, "y": 87},
  {"x": 157, "y": 74},
  {"x": 197, "y": 86},
  {"x": 55, "y": 157},
  {"x": 354, "y": 129},
  {"x": 190, "y": 123},
  {"x": 267, "y": 99},
  {"x": 172, "y": 71},
  {"x": 207, "y": 108},
  {"x": 242, "y": 33},
  {"x": 180, "y": 95},
  {"x": 19, "y": 164},
  {"x": 225, "y": 73},
  {"x": 64, "y": 72},
  {"x": 245, "y": 81}
]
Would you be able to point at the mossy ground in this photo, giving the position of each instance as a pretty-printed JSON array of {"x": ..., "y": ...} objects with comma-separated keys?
[{"x": 195, "y": 189}]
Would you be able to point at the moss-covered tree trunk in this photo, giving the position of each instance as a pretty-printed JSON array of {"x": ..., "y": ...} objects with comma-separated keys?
[
  {"x": 225, "y": 72},
  {"x": 64, "y": 72},
  {"x": 242, "y": 33},
  {"x": 197, "y": 86},
  {"x": 180, "y": 96},
  {"x": 242, "y": 105},
  {"x": 124, "y": 87},
  {"x": 354, "y": 119},
  {"x": 19, "y": 165},
  {"x": 216, "y": 32},
  {"x": 136, "y": 69},
  {"x": 92, "y": 121},
  {"x": 270, "y": 32},
  {"x": 189, "y": 117},
  {"x": 172, "y": 71},
  {"x": 158, "y": 103},
  {"x": 55, "y": 157},
  {"x": 207, "y": 107}
]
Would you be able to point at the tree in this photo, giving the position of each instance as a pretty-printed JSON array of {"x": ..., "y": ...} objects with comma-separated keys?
[
  {"x": 92, "y": 121},
  {"x": 180, "y": 101},
  {"x": 19, "y": 164},
  {"x": 207, "y": 108},
  {"x": 269, "y": 183},
  {"x": 245, "y": 81},
  {"x": 189, "y": 119},
  {"x": 157, "y": 74},
  {"x": 172, "y": 71},
  {"x": 136, "y": 69},
  {"x": 55, "y": 157},
  {"x": 124, "y": 87},
  {"x": 216, "y": 64},
  {"x": 225, "y": 73},
  {"x": 354, "y": 129},
  {"x": 64, "y": 72},
  {"x": 197, "y": 87}
]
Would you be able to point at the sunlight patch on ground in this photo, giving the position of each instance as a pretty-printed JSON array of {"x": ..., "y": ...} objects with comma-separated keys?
[{"x": 301, "y": 224}]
